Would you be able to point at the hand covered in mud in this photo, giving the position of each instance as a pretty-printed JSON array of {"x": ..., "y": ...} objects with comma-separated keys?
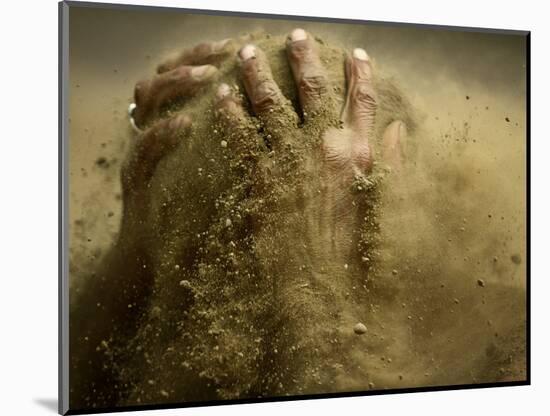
[
  {"x": 345, "y": 136},
  {"x": 275, "y": 192},
  {"x": 339, "y": 141},
  {"x": 336, "y": 145}
]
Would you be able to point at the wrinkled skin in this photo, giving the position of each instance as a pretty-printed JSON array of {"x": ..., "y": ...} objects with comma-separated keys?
[
  {"x": 340, "y": 140},
  {"x": 313, "y": 157}
]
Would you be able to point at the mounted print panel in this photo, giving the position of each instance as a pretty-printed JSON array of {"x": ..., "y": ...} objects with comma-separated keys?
[{"x": 264, "y": 208}]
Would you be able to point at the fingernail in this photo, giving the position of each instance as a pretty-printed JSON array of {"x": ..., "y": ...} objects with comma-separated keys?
[
  {"x": 223, "y": 91},
  {"x": 203, "y": 71},
  {"x": 360, "y": 54},
  {"x": 298, "y": 34},
  {"x": 247, "y": 52}
]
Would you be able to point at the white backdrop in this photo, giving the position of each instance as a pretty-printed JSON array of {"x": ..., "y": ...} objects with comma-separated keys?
[{"x": 28, "y": 220}]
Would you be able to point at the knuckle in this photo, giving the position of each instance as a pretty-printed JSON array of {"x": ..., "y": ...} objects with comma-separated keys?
[
  {"x": 180, "y": 73},
  {"x": 364, "y": 97},
  {"x": 313, "y": 86},
  {"x": 364, "y": 158},
  {"x": 266, "y": 96},
  {"x": 179, "y": 123}
]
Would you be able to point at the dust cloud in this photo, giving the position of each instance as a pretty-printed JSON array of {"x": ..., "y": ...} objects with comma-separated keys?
[{"x": 239, "y": 307}]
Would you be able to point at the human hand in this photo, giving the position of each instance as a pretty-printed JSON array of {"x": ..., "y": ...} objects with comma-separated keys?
[
  {"x": 304, "y": 175},
  {"x": 316, "y": 233},
  {"x": 159, "y": 122},
  {"x": 336, "y": 146}
]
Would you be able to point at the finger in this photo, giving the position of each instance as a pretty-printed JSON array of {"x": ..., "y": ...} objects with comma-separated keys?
[
  {"x": 393, "y": 143},
  {"x": 267, "y": 100},
  {"x": 229, "y": 108},
  {"x": 162, "y": 90},
  {"x": 360, "y": 108},
  {"x": 309, "y": 74},
  {"x": 239, "y": 132},
  {"x": 150, "y": 148},
  {"x": 212, "y": 53}
]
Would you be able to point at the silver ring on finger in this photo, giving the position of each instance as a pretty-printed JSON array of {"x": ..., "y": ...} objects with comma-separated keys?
[{"x": 131, "y": 108}]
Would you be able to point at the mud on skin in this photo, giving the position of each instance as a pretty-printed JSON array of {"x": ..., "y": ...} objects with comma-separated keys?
[{"x": 253, "y": 242}]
